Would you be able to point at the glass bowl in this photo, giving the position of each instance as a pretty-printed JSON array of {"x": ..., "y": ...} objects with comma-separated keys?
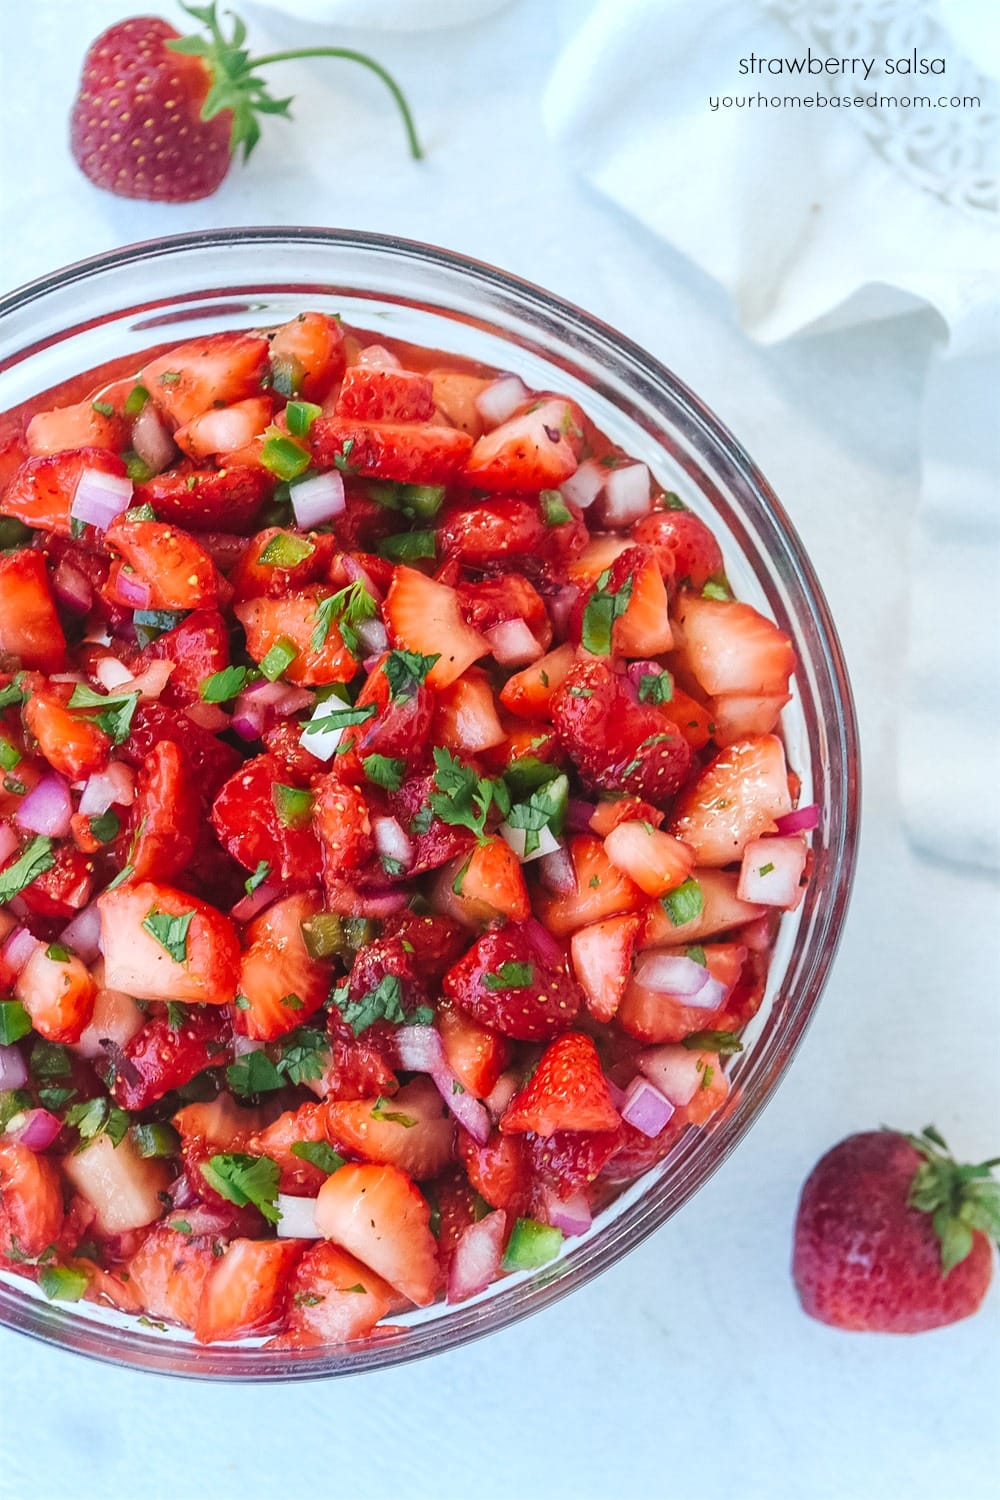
[{"x": 169, "y": 289}]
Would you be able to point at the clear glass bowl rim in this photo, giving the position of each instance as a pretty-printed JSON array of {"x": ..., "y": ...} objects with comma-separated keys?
[{"x": 466, "y": 1322}]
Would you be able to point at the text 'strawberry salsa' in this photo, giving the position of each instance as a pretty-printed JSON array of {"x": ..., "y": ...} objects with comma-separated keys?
[{"x": 393, "y": 831}]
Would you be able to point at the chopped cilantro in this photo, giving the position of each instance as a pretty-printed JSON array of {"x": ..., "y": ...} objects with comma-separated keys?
[
  {"x": 384, "y": 771},
  {"x": 303, "y": 1054},
  {"x": 545, "y": 808},
  {"x": 723, "y": 1042},
  {"x": 696, "y": 954},
  {"x": 683, "y": 903},
  {"x": 405, "y": 671},
  {"x": 347, "y": 608},
  {"x": 462, "y": 797},
  {"x": 170, "y": 377},
  {"x": 341, "y": 460},
  {"x": 242, "y": 1179},
  {"x": 258, "y": 877},
  {"x": 116, "y": 713},
  {"x": 603, "y": 608},
  {"x": 96, "y": 1117},
  {"x": 342, "y": 718},
  {"x": 50, "y": 1060},
  {"x": 380, "y": 1111},
  {"x": 383, "y": 1003},
  {"x": 656, "y": 687},
  {"x": 34, "y": 859},
  {"x": 254, "y": 1073},
  {"x": 176, "y": 1015},
  {"x": 171, "y": 932},
  {"x": 13, "y": 694},
  {"x": 510, "y": 976},
  {"x": 390, "y": 865},
  {"x": 104, "y": 826},
  {"x": 291, "y": 1002},
  {"x": 228, "y": 683},
  {"x": 671, "y": 501},
  {"x": 318, "y": 1154}
]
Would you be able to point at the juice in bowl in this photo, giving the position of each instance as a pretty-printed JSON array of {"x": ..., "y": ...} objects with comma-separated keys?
[{"x": 433, "y": 809}]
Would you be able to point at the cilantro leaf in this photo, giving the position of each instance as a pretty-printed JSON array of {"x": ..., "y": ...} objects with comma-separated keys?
[
  {"x": 116, "y": 713},
  {"x": 228, "y": 683},
  {"x": 243, "y": 1179},
  {"x": 405, "y": 671},
  {"x": 258, "y": 877},
  {"x": 13, "y": 693},
  {"x": 345, "y": 609},
  {"x": 105, "y": 826},
  {"x": 384, "y": 771},
  {"x": 98, "y": 1117},
  {"x": 510, "y": 976},
  {"x": 723, "y": 1042},
  {"x": 318, "y": 1154},
  {"x": 462, "y": 797},
  {"x": 545, "y": 808},
  {"x": 603, "y": 608},
  {"x": 656, "y": 687},
  {"x": 34, "y": 859},
  {"x": 383, "y": 1003},
  {"x": 392, "y": 1117},
  {"x": 254, "y": 1073},
  {"x": 304, "y": 1053},
  {"x": 169, "y": 931},
  {"x": 342, "y": 718}
]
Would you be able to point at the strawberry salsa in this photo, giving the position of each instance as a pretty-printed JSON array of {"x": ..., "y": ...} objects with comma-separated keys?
[{"x": 393, "y": 831}]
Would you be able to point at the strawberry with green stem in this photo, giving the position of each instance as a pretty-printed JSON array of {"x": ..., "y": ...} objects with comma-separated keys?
[{"x": 160, "y": 116}]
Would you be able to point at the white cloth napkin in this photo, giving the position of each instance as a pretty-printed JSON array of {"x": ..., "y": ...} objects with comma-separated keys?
[{"x": 818, "y": 217}]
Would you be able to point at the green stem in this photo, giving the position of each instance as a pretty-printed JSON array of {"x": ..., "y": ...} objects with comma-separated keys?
[{"x": 366, "y": 62}]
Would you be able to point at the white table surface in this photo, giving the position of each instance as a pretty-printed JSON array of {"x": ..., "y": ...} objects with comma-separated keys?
[{"x": 688, "y": 1369}]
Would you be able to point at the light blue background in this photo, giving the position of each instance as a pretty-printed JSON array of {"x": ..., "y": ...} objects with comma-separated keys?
[{"x": 688, "y": 1369}]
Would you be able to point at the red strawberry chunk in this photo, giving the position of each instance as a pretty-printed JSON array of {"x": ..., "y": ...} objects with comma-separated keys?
[
  {"x": 281, "y": 985},
  {"x": 209, "y": 372},
  {"x": 211, "y": 760},
  {"x": 31, "y": 1201},
  {"x": 515, "y": 980},
  {"x": 198, "y": 647},
  {"x": 534, "y": 450},
  {"x": 207, "y": 499},
  {"x": 683, "y": 545},
  {"x": 246, "y": 1289},
  {"x": 414, "y": 453},
  {"x": 332, "y": 1299},
  {"x": 169, "y": 566},
  {"x": 162, "y": 1057},
  {"x": 506, "y": 526},
  {"x": 256, "y": 820},
  {"x": 499, "y": 1171},
  {"x": 166, "y": 815},
  {"x": 30, "y": 631},
  {"x": 567, "y": 1091},
  {"x": 160, "y": 943},
  {"x": 570, "y": 1160},
  {"x": 736, "y": 798},
  {"x": 43, "y": 489},
  {"x": 385, "y": 395},
  {"x": 307, "y": 355}
]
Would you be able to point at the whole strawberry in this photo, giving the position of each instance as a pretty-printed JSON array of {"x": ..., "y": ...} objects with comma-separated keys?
[
  {"x": 892, "y": 1236},
  {"x": 159, "y": 116}
]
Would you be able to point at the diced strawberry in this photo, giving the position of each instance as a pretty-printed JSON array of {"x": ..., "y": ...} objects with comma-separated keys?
[
  {"x": 609, "y": 813},
  {"x": 499, "y": 1171},
  {"x": 683, "y": 545},
  {"x": 253, "y": 579},
  {"x": 13, "y": 448},
  {"x": 385, "y": 396},
  {"x": 413, "y": 1131},
  {"x": 402, "y": 725},
  {"x": 491, "y": 601},
  {"x": 212, "y": 1125},
  {"x": 567, "y": 1091},
  {"x": 569, "y": 1161},
  {"x": 434, "y": 842},
  {"x": 732, "y": 648},
  {"x": 515, "y": 980},
  {"x": 389, "y": 956},
  {"x": 643, "y": 629},
  {"x": 737, "y": 796},
  {"x": 529, "y": 692},
  {"x": 224, "y": 429},
  {"x": 466, "y": 719},
  {"x": 212, "y": 760},
  {"x": 534, "y": 450},
  {"x": 281, "y": 984},
  {"x": 57, "y": 993},
  {"x": 341, "y": 819},
  {"x": 206, "y": 372},
  {"x": 307, "y": 355},
  {"x": 78, "y": 426},
  {"x": 476, "y": 1055},
  {"x": 712, "y": 1092},
  {"x": 166, "y": 815},
  {"x": 602, "y": 957},
  {"x": 250, "y": 817},
  {"x": 410, "y": 453},
  {"x": 71, "y": 742},
  {"x": 332, "y": 1299},
  {"x": 360, "y": 1066},
  {"x": 162, "y": 1057},
  {"x": 198, "y": 648},
  {"x": 168, "y": 1272},
  {"x": 224, "y": 500},
  {"x": 721, "y": 909},
  {"x": 31, "y": 1201},
  {"x": 655, "y": 860},
  {"x": 616, "y": 743},
  {"x": 295, "y": 619},
  {"x": 695, "y": 722},
  {"x": 506, "y": 526},
  {"x": 436, "y": 942},
  {"x": 377, "y": 1214},
  {"x": 246, "y": 1290},
  {"x": 491, "y": 884},
  {"x": 653, "y": 1016},
  {"x": 170, "y": 567},
  {"x": 294, "y": 1127},
  {"x": 600, "y": 553},
  {"x": 601, "y": 890},
  {"x": 455, "y": 397},
  {"x": 30, "y": 631},
  {"x": 43, "y": 489},
  {"x": 458, "y": 1205},
  {"x": 64, "y": 888},
  {"x": 207, "y": 962},
  {"x": 423, "y": 616},
  {"x": 635, "y": 1153},
  {"x": 735, "y": 716}
]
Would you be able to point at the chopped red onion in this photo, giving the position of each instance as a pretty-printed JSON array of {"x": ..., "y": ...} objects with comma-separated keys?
[
  {"x": 151, "y": 681},
  {"x": 18, "y": 949},
  {"x": 517, "y": 839},
  {"x": 556, "y": 872},
  {"x": 469, "y": 1111},
  {"x": 83, "y": 934},
  {"x": 544, "y": 943},
  {"x": 392, "y": 841},
  {"x": 318, "y": 499},
  {"x": 513, "y": 644},
  {"x": 151, "y": 440},
  {"x": 500, "y": 400},
  {"x": 674, "y": 1072},
  {"x": 671, "y": 974},
  {"x": 801, "y": 820},
  {"x": 560, "y": 606},
  {"x": 36, "y": 1128},
  {"x": 111, "y": 673},
  {"x": 572, "y": 1215},
  {"x": 243, "y": 1044},
  {"x": 132, "y": 591},
  {"x": 116, "y": 784},
  {"x": 47, "y": 808},
  {"x": 419, "y": 1049},
  {"x": 771, "y": 872},
  {"x": 637, "y": 670},
  {"x": 583, "y": 487},
  {"x": 100, "y": 497},
  {"x": 501, "y": 1094},
  {"x": 201, "y": 1219},
  {"x": 262, "y": 702},
  {"x": 645, "y": 1108},
  {"x": 478, "y": 1254},
  {"x": 249, "y": 906},
  {"x": 627, "y": 495},
  {"x": 72, "y": 588},
  {"x": 578, "y": 815},
  {"x": 617, "y": 1095},
  {"x": 13, "y": 1069},
  {"x": 374, "y": 637},
  {"x": 378, "y": 904},
  {"x": 298, "y": 1218},
  {"x": 8, "y": 842},
  {"x": 756, "y": 935}
]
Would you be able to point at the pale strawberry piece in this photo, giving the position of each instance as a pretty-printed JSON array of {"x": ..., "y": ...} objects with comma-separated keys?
[
  {"x": 78, "y": 426},
  {"x": 534, "y": 450},
  {"x": 332, "y": 1299},
  {"x": 737, "y": 797},
  {"x": 601, "y": 891},
  {"x": 377, "y": 1214},
  {"x": 655, "y": 860},
  {"x": 205, "y": 964},
  {"x": 732, "y": 648},
  {"x": 466, "y": 721},
  {"x": 528, "y": 692},
  {"x": 58, "y": 994},
  {"x": 246, "y": 1290},
  {"x": 602, "y": 957},
  {"x": 281, "y": 984},
  {"x": 736, "y": 716},
  {"x": 423, "y": 616},
  {"x": 225, "y": 430},
  {"x": 412, "y": 1131},
  {"x": 168, "y": 1271},
  {"x": 307, "y": 355},
  {"x": 31, "y": 1200},
  {"x": 206, "y": 373}
]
